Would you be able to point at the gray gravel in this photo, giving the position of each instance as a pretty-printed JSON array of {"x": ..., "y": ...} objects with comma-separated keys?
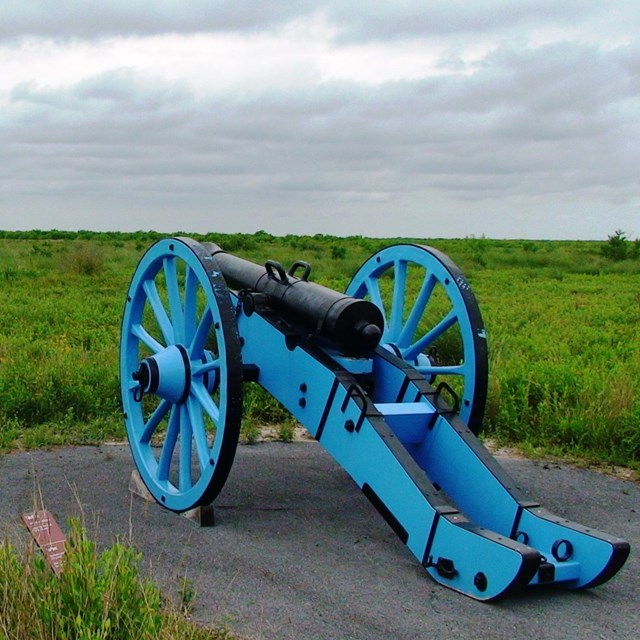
[{"x": 298, "y": 552}]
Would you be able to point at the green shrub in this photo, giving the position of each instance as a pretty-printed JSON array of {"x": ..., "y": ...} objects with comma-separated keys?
[
  {"x": 617, "y": 246},
  {"x": 286, "y": 430},
  {"x": 86, "y": 260},
  {"x": 338, "y": 252},
  {"x": 98, "y": 596}
]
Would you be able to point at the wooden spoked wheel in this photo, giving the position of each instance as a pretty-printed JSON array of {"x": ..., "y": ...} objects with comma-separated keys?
[
  {"x": 432, "y": 320},
  {"x": 181, "y": 374}
]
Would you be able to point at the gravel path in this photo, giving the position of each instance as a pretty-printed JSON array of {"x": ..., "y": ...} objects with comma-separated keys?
[{"x": 298, "y": 552}]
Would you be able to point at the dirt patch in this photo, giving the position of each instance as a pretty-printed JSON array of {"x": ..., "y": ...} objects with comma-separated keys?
[
  {"x": 615, "y": 471},
  {"x": 269, "y": 433}
]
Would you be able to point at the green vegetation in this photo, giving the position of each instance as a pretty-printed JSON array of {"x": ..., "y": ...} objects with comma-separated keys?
[
  {"x": 563, "y": 320},
  {"x": 618, "y": 247},
  {"x": 98, "y": 596}
]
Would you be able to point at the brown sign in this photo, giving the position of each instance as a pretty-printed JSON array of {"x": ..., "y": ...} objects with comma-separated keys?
[{"x": 48, "y": 536}]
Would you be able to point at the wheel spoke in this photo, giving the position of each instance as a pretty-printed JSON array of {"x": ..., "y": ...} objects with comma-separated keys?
[
  {"x": 373, "y": 287},
  {"x": 175, "y": 304},
  {"x": 206, "y": 401},
  {"x": 159, "y": 311},
  {"x": 184, "y": 472},
  {"x": 200, "y": 337},
  {"x": 431, "y": 336},
  {"x": 190, "y": 304},
  {"x": 199, "y": 369},
  {"x": 419, "y": 307},
  {"x": 152, "y": 423},
  {"x": 397, "y": 303},
  {"x": 171, "y": 437},
  {"x": 146, "y": 338},
  {"x": 199, "y": 433}
]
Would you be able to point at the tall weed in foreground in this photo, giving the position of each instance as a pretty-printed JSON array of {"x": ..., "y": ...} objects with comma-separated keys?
[{"x": 99, "y": 596}]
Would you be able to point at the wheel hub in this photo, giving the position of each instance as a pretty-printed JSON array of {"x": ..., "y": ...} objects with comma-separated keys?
[{"x": 166, "y": 374}]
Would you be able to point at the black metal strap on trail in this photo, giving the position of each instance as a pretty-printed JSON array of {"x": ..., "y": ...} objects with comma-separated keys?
[
  {"x": 355, "y": 391},
  {"x": 444, "y": 566},
  {"x": 403, "y": 389},
  {"x": 435, "y": 397},
  {"x": 327, "y": 408}
]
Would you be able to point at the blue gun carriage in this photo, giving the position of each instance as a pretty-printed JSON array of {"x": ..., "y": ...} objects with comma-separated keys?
[{"x": 390, "y": 377}]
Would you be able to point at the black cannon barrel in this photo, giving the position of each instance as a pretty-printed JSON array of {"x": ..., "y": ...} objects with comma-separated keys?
[{"x": 354, "y": 326}]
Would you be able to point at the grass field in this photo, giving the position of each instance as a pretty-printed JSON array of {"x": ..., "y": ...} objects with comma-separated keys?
[{"x": 563, "y": 322}]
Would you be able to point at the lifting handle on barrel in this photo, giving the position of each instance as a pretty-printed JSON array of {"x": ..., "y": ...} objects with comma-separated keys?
[
  {"x": 306, "y": 269},
  {"x": 276, "y": 271}
]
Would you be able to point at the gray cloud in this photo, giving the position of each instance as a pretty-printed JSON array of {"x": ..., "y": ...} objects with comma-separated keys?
[
  {"x": 77, "y": 19},
  {"x": 538, "y": 141},
  {"x": 557, "y": 120},
  {"x": 404, "y": 18},
  {"x": 357, "y": 21}
]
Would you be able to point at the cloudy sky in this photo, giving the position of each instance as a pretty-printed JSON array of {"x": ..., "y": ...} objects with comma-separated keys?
[{"x": 423, "y": 118}]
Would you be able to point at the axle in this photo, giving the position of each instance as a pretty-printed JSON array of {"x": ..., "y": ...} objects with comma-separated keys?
[{"x": 353, "y": 325}]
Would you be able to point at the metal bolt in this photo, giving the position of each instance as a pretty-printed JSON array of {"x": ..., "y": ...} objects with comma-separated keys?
[
  {"x": 350, "y": 426},
  {"x": 480, "y": 581},
  {"x": 302, "y": 402}
]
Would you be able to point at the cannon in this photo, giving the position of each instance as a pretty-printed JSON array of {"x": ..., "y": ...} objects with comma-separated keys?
[{"x": 389, "y": 377}]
